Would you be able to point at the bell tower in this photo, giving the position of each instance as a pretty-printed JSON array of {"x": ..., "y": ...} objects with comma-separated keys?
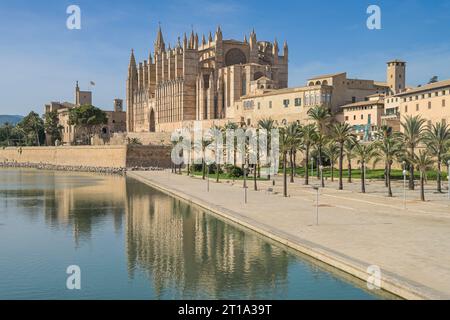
[{"x": 396, "y": 74}]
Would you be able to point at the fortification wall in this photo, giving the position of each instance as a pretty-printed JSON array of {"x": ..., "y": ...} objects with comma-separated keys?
[{"x": 90, "y": 156}]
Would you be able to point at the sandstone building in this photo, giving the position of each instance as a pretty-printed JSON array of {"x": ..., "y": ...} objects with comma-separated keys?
[
  {"x": 199, "y": 79},
  {"x": 116, "y": 119}
]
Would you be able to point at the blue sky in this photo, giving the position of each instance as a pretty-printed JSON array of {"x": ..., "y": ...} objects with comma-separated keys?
[{"x": 40, "y": 59}]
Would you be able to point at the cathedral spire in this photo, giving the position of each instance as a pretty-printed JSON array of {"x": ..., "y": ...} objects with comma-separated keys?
[
  {"x": 285, "y": 51},
  {"x": 159, "y": 43},
  {"x": 191, "y": 40},
  {"x": 185, "y": 42},
  {"x": 132, "y": 61},
  {"x": 210, "y": 39},
  {"x": 218, "y": 36},
  {"x": 203, "y": 40}
]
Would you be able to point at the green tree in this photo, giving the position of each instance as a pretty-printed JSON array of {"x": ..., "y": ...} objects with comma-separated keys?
[
  {"x": 7, "y": 135},
  {"x": 285, "y": 147},
  {"x": 390, "y": 148},
  {"x": 32, "y": 128},
  {"x": 295, "y": 134},
  {"x": 322, "y": 116},
  {"x": 437, "y": 139},
  {"x": 424, "y": 162},
  {"x": 332, "y": 152},
  {"x": 349, "y": 146},
  {"x": 433, "y": 79},
  {"x": 88, "y": 119},
  {"x": 309, "y": 135},
  {"x": 341, "y": 133},
  {"x": 364, "y": 153},
  {"x": 52, "y": 127},
  {"x": 413, "y": 134},
  {"x": 268, "y": 125}
]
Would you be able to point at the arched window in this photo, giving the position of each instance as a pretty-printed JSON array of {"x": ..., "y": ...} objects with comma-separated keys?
[
  {"x": 318, "y": 83},
  {"x": 235, "y": 56},
  {"x": 311, "y": 84}
]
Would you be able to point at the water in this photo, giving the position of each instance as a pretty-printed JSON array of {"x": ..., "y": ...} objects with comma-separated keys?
[{"x": 133, "y": 242}]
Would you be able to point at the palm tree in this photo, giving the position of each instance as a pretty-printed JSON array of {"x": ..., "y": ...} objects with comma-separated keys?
[
  {"x": 390, "y": 148},
  {"x": 204, "y": 144},
  {"x": 285, "y": 147},
  {"x": 382, "y": 133},
  {"x": 309, "y": 134},
  {"x": 349, "y": 146},
  {"x": 319, "y": 143},
  {"x": 233, "y": 126},
  {"x": 437, "y": 138},
  {"x": 322, "y": 116},
  {"x": 294, "y": 132},
  {"x": 424, "y": 162},
  {"x": 413, "y": 129},
  {"x": 332, "y": 151},
  {"x": 341, "y": 133},
  {"x": 268, "y": 125},
  {"x": 364, "y": 153},
  {"x": 217, "y": 148}
]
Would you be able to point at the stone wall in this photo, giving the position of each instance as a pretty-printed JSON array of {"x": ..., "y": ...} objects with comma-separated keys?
[
  {"x": 148, "y": 156},
  {"x": 89, "y": 156}
]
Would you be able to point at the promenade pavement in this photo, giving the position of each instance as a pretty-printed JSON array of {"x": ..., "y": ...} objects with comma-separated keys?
[{"x": 411, "y": 246}]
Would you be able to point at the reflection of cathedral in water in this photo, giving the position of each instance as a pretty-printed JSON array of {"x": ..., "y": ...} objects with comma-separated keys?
[{"x": 179, "y": 246}]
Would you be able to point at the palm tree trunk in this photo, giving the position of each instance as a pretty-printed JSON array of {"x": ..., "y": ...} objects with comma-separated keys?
[
  {"x": 439, "y": 176},
  {"x": 349, "y": 171},
  {"x": 411, "y": 172},
  {"x": 332, "y": 171},
  {"x": 388, "y": 179},
  {"x": 386, "y": 174},
  {"x": 291, "y": 163},
  {"x": 307, "y": 166},
  {"x": 295, "y": 164},
  {"x": 341, "y": 166},
  {"x": 284, "y": 174},
  {"x": 422, "y": 187},
  {"x": 363, "y": 178},
  {"x": 203, "y": 169},
  {"x": 218, "y": 172}
]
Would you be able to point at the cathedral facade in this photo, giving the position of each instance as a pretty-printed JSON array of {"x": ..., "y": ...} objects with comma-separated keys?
[{"x": 200, "y": 79}]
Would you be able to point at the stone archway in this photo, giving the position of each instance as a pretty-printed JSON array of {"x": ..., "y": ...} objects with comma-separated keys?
[{"x": 152, "y": 121}]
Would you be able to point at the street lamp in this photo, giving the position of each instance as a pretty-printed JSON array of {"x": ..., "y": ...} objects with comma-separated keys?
[
  {"x": 405, "y": 172},
  {"x": 317, "y": 204},
  {"x": 312, "y": 167}
]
